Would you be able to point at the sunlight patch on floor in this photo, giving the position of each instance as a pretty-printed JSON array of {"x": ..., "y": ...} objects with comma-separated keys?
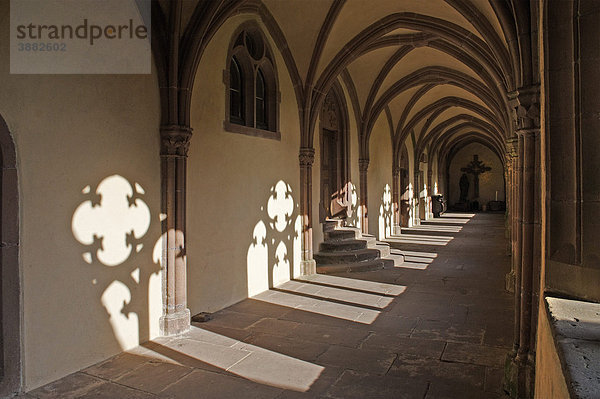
[
  {"x": 436, "y": 228},
  {"x": 245, "y": 360},
  {"x": 336, "y": 294},
  {"x": 320, "y": 306},
  {"x": 419, "y": 239},
  {"x": 351, "y": 283}
]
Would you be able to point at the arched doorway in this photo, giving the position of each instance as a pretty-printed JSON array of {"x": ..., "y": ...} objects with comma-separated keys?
[
  {"x": 10, "y": 284},
  {"x": 335, "y": 170}
]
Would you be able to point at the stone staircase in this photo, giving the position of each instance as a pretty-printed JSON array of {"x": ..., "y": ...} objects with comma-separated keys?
[{"x": 346, "y": 249}]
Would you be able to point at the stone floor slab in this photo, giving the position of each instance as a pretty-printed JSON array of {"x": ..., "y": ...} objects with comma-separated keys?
[
  {"x": 76, "y": 385},
  {"x": 112, "y": 391},
  {"x": 273, "y": 326},
  {"x": 423, "y": 348},
  {"x": 355, "y": 284},
  {"x": 444, "y": 331},
  {"x": 116, "y": 366},
  {"x": 372, "y": 361},
  {"x": 291, "y": 346},
  {"x": 461, "y": 375},
  {"x": 209, "y": 385},
  {"x": 349, "y": 337},
  {"x": 474, "y": 354},
  {"x": 154, "y": 377},
  {"x": 353, "y": 384}
]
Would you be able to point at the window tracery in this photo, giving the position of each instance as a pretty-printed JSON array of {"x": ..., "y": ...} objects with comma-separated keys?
[{"x": 251, "y": 80}]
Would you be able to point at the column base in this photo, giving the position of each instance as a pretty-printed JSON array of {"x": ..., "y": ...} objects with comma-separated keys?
[
  {"x": 509, "y": 280},
  {"x": 175, "y": 323},
  {"x": 397, "y": 230},
  {"x": 519, "y": 378},
  {"x": 308, "y": 267}
]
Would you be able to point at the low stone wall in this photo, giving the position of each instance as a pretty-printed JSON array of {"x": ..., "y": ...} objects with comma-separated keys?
[{"x": 568, "y": 350}]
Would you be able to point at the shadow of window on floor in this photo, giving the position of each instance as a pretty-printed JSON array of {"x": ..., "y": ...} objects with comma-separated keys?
[{"x": 199, "y": 348}]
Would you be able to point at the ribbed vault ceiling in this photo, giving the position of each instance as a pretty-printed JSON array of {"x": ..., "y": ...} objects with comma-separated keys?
[{"x": 440, "y": 70}]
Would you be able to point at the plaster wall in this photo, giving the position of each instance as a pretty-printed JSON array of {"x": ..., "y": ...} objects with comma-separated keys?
[
  {"x": 489, "y": 182},
  {"x": 379, "y": 180},
  {"x": 243, "y": 231},
  {"x": 412, "y": 194},
  {"x": 80, "y": 303},
  {"x": 435, "y": 189}
]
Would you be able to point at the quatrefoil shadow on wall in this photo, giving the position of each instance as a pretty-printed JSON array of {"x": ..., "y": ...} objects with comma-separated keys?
[{"x": 112, "y": 221}]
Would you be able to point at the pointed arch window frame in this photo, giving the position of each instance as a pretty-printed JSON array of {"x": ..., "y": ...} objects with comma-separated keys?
[{"x": 252, "y": 55}]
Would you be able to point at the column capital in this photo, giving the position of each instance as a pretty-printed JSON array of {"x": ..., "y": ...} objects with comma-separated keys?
[
  {"x": 396, "y": 171},
  {"x": 175, "y": 140},
  {"x": 363, "y": 164},
  {"x": 306, "y": 156},
  {"x": 512, "y": 147},
  {"x": 525, "y": 105}
]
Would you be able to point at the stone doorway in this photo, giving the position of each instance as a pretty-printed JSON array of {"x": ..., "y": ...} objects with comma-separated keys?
[{"x": 334, "y": 201}]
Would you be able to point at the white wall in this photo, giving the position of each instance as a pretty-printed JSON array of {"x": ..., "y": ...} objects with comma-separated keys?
[
  {"x": 73, "y": 132},
  {"x": 380, "y": 180},
  {"x": 414, "y": 190},
  {"x": 243, "y": 191}
]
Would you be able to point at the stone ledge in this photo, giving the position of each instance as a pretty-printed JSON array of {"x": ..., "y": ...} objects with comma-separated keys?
[{"x": 576, "y": 330}]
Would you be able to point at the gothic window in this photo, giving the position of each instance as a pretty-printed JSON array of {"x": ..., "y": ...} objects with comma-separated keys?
[
  {"x": 236, "y": 93},
  {"x": 262, "y": 121},
  {"x": 251, "y": 80}
]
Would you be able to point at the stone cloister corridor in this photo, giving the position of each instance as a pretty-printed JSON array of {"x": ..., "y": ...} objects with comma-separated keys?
[
  {"x": 438, "y": 326},
  {"x": 300, "y": 198}
]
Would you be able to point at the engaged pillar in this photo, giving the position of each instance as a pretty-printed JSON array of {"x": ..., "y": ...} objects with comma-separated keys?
[
  {"x": 175, "y": 142},
  {"x": 307, "y": 158}
]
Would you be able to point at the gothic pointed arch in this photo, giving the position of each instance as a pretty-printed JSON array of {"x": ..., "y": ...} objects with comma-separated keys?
[
  {"x": 335, "y": 160},
  {"x": 10, "y": 284}
]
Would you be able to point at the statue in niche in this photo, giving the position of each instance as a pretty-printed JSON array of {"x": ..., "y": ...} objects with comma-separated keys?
[{"x": 464, "y": 187}]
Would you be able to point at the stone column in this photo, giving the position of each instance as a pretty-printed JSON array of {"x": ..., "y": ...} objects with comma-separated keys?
[
  {"x": 417, "y": 199},
  {"x": 537, "y": 254},
  {"x": 527, "y": 244},
  {"x": 175, "y": 141},
  {"x": 511, "y": 183},
  {"x": 520, "y": 372},
  {"x": 307, "y": 158},
  {"x": 363, "y": 165},
  {"x": 396, "y": 229},
  {"x": 518, "y": 244}
]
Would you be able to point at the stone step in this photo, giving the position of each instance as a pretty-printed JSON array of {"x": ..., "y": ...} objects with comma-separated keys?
[
  {"x": 342, "y": 245},
  {"x": 371, "y": 241},
  {"x": 345, "y": 257},
  {"x": 375, "y": 264},
  {"x": 342, "y": 233},
  {"x": 384, "y": 249},
  {"x": 393, "y": 260},
  {"x": 332, "y": 224}
]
